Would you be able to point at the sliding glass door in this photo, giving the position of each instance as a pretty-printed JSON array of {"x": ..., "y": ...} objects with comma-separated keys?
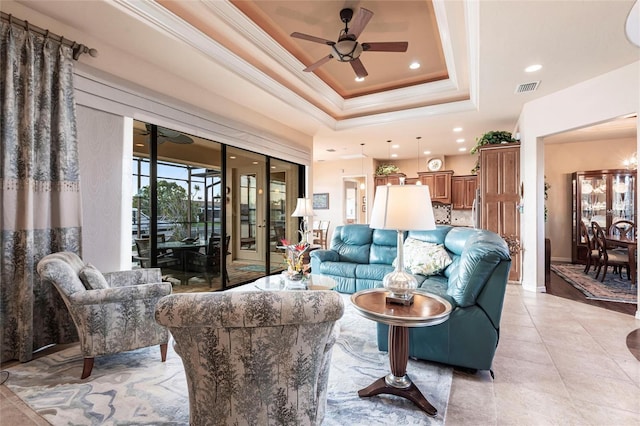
[{"x": 211, "y": 216}]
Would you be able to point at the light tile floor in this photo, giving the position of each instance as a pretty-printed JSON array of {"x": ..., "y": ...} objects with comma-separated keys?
[{"x": 559, "y": 362}]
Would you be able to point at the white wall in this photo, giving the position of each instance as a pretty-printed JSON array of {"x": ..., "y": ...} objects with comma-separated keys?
[{"x": 606, "y": 97}]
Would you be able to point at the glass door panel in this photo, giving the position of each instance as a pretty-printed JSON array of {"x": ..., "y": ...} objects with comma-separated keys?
[
  {"x": 622, "y": 198},
  {"x": 283, "y": 194},
  {"x": 246, "y": 217},
  {"x": 594, "y": 200}
]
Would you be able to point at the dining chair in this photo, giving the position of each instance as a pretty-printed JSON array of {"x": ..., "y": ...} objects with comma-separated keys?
[
  {"x": 320, "y": 234},
  {"x": 593, "y": 255},
  {"x": 623, "y": 228},
  {"x": 608, "y": 257},
  {"x": 163, "y": 260}
]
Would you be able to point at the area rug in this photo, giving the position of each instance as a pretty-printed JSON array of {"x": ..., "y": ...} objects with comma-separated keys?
[
  {"x": 257, "y": 268},
  {"x": 613, "y": 289},
  {"x": 135, "y": 388}
]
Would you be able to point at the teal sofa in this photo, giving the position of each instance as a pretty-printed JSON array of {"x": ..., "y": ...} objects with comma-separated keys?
[{"x": 474, "y": 283}]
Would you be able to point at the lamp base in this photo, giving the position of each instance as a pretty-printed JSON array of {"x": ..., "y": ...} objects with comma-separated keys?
[{"x": 406, "y": 301}]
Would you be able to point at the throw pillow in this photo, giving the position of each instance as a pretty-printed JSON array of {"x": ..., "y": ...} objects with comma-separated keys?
[
  {"x": 424, "y": 258},
  {"x": 92, "y": 278}
]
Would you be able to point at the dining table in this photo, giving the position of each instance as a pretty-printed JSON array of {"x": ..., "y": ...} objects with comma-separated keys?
[
  {"x": 180, "y": 249},
  {"x": 631, "y": 244}
]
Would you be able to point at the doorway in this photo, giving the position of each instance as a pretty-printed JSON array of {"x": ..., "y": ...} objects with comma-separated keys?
[{"x": 355, "y": 199}]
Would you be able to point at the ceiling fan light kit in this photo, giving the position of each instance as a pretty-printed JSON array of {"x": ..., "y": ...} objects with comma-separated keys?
[{"x": 347, "y": 48}]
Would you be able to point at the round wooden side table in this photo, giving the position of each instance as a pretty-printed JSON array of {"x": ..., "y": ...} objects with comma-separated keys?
[{"x": 427, "y": 310}]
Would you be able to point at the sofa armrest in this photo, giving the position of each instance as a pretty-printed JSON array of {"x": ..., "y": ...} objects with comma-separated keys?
[
  {"x": 325, "y": 255},
  {"x": 133, "y": 277},
  {"x": 121, "y": 294}
]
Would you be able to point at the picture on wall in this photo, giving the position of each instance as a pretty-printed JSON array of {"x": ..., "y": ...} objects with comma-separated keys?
[{"x": 321, "y": 201}]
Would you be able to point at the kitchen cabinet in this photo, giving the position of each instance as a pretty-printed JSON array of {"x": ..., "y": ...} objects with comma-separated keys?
[
  {"x": 602, "y": 196},
  {"x": 439, "y": 185},
  {"x": 499, "y": 176},
  {"x": 463, "y": 191},
  {"x": 390, "y": 179}
]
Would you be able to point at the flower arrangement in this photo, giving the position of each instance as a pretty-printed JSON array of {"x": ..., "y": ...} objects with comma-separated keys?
[{"x": 293, "y": 256}]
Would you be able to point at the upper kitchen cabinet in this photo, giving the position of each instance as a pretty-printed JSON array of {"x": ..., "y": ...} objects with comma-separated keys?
[
  {"x": 463, "y": 191},
  {"x": 439, "y": 185},
  {"x": 390, "y": 179},
  {"x": 602, "y": 196}
]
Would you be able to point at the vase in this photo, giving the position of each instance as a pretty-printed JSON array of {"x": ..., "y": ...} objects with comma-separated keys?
[{"x": 295, "y": 276}]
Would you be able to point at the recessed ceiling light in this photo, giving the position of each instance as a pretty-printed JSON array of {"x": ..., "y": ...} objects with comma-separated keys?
[
  {"x": 462, "y": 149},
  {"x": 232, "y": 157},
  {"x": 414, "y": 65},
  {"x": 395, "y": 146},
  {"x": 358, "y": 79},
  {"x": 254, "y": 162},
  {"x": 533, "y": 68},
  {"x": 139, "y": 144},
  {"x": 394, "y": 155},
  {"x": 460, "y": 140},
  {"x": 457, "y": 129},
  {"x": 273, "y": 167},
  {"x": 427, "y": 152}
]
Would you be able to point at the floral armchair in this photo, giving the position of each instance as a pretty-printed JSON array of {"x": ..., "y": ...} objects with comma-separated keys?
[
  {"x": 258, "y": 357},
  {"x": 113, "y": 312}
]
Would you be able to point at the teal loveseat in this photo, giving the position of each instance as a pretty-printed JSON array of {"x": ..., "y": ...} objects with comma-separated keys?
[{"x": 474, "y": 283}]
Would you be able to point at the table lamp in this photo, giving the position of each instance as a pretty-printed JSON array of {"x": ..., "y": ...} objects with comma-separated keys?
[
  {"x": 403, "y": 208},
  {"x": 304, "y": 209}
]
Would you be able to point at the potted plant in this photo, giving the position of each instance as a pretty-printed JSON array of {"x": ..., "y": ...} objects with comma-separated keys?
[
  {"x": 493, "y": 137},
  {"x": 386, "y": 169}
]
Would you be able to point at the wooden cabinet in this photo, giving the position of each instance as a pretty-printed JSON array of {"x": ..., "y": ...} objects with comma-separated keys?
[
  {"x": 439, "y": 185},
  {"x": 500, "y": 195},
  {"x": 463, "y": 191},
  {"x": 390, "y": 179},
  {"x": 602, "y": 196}
]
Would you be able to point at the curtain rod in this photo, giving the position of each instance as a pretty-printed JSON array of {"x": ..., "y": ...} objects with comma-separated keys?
[{"x": 78, "y": 49}]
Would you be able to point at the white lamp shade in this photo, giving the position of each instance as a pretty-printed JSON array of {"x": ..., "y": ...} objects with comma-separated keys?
[
  {"x": 304, "y": 208},
  {"x": 403, "y": 207}
]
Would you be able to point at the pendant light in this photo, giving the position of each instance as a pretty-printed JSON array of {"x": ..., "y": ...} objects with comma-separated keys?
[{"x": 362, "y": 184}]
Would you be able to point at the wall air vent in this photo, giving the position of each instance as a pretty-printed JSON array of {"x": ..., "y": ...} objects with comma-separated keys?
[
  {"x": 331, "y": 150},
  {"x": 527, "y": 87}
]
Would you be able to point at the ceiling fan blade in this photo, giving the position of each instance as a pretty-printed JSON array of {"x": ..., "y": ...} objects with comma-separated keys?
[
  {"x": 389, "y": 46},
  {"x": 360, "y": 21},
  {"x": 358, "y": 68},
  {"x": 313, "y": 38},
  {"x": 318, "y": 63}
]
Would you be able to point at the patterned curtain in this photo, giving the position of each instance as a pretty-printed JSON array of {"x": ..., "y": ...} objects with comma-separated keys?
[{"x": 40, "y": 189}]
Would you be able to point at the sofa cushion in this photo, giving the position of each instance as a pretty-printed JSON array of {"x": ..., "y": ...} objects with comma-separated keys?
[
  {"x": 383, "y": 247},
  {"x": 92, "y": 278},
  {"x": 352, "y": 243},
  {"x": 424, "y": 258}
]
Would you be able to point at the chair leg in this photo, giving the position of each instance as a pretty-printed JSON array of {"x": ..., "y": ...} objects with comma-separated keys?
[
  {"x": 163, "y": 352},
  {"x": 588, "y": 265},
  {"x": 604, "y": 272},
  {"x": 86, "y": 369}
]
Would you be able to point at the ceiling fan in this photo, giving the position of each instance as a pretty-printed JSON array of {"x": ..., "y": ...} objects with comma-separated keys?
[
  {"x": 167, "y": 135},
  {"x": 347, "y": 48}
]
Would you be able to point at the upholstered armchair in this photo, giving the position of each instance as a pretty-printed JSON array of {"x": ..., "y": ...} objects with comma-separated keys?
[
  {"x": 257, "y": 357},
  {"x": 113, "y": 312}
]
